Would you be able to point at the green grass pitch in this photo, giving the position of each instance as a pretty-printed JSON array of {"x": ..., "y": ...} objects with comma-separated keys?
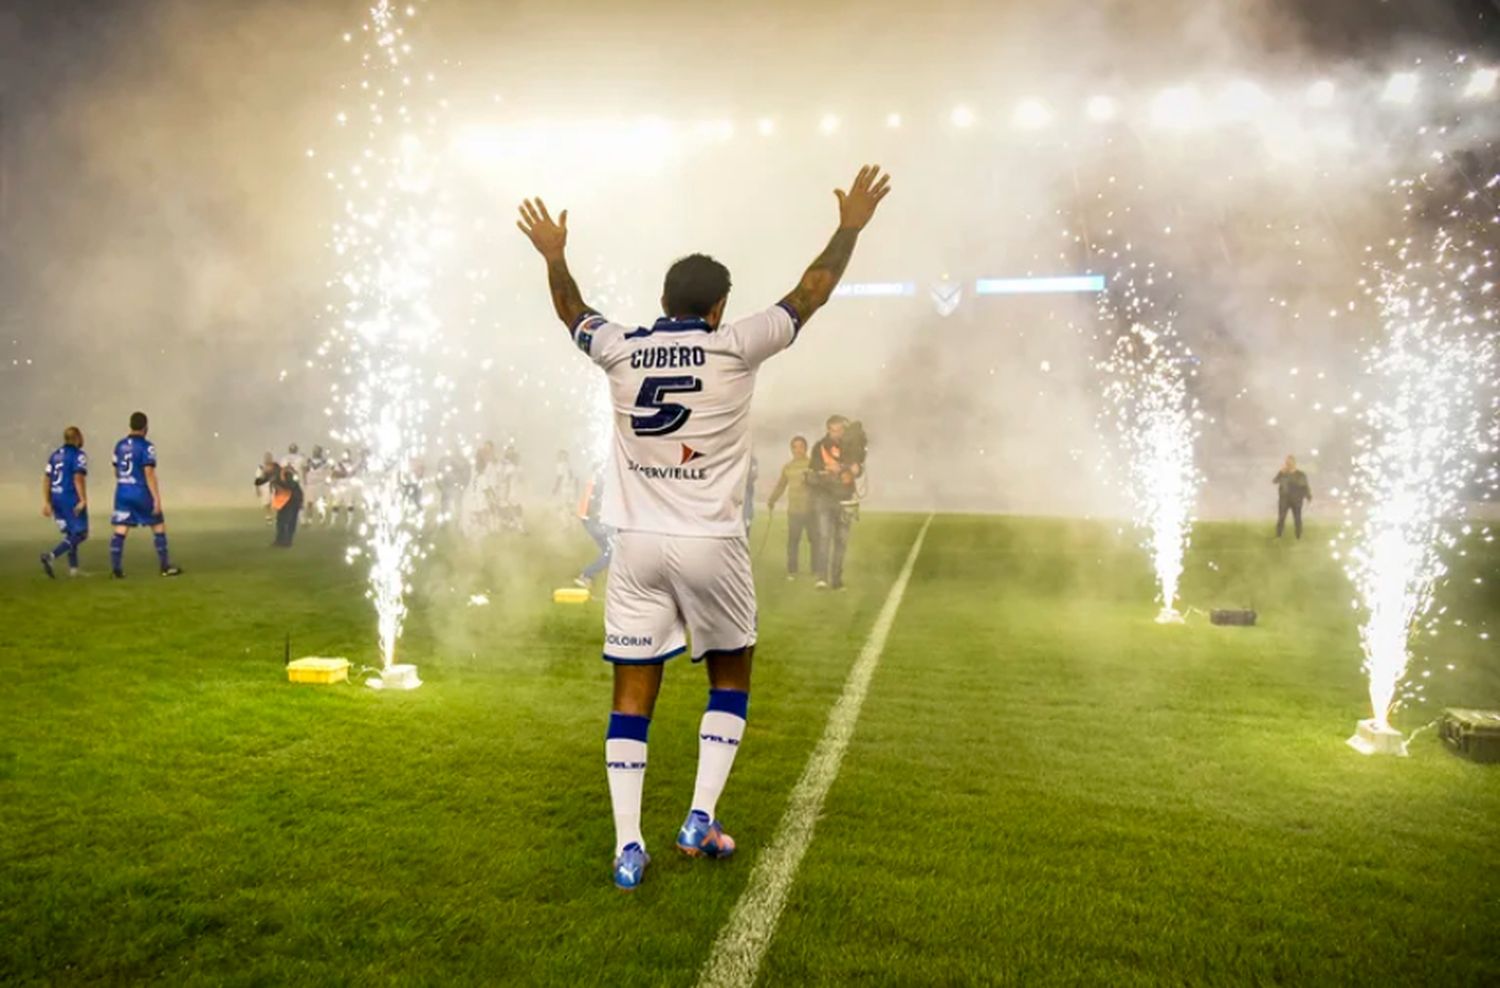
[{"x": 1044, "y": 786}]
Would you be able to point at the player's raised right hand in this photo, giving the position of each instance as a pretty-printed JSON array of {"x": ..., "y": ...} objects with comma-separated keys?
[
  {"x": 857, "y": 206},
  {"x": 46, "y": 511}
]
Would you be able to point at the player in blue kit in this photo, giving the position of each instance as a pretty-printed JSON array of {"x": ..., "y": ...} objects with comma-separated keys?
[
  {"x": 137, "y": 497},
  {"x": 65, "y": 498}
]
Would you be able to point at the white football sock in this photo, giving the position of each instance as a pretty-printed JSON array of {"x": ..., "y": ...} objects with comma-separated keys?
[
  {"x": 719, "y": 736},
  {"x": 625, "y": 762}
]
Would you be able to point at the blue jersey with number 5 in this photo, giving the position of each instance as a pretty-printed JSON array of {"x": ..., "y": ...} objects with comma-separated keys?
[
  {"x": 133, "y": 455},
  {"x": 65, "y": 463}
]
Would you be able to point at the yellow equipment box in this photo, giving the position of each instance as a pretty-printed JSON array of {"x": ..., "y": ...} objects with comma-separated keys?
[
  {"x": 316, "y": 669},
  {"x": 570, "y": 595}
]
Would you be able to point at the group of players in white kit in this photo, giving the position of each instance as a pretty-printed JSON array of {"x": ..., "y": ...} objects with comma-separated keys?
[{"x": 330, "y": 487}]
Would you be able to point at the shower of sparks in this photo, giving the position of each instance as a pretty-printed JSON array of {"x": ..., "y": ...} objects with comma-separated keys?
[
  {"x": 1151, "y": 417},
  {"x": 1429, "y": 429},
  {"x": 616, "y": 301},
  {"x": 384, "y": 332}
]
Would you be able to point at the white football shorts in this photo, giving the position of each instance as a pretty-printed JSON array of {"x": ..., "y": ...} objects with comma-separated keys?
[{"x": 665, "y": 588}]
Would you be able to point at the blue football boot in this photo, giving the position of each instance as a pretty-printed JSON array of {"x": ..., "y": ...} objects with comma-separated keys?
[
  {"x": 702, "y": 837},
  {"x": 47, "y": 565},
  {"x": 630, "y": 866}
]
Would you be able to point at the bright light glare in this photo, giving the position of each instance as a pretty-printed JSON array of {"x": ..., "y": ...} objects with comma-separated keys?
[
  {"x": 1100, "y": 109},
  {"x": 766, "y": 126},
  {"x": 1031, "y": 114},
  {"x": 1401, "y": 89},
  {"x": 1179, "y": 107},
  {"x": 478, "y": 143},
  {"x": 1321, "y": 93},
  {"x": 962, "y": 116},
  {"x": 1243, "y": 99},
  {"x": 829, "y": 123},
  {"x": 718, "y": 130},
  {"x": 1482, "y": 82},
  {"x": 893, "y": 120}
]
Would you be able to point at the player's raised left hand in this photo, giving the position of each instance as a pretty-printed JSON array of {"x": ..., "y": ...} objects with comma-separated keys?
[
  {"x": 548, "y": 236},
  {"x": 46, "y": 511}
]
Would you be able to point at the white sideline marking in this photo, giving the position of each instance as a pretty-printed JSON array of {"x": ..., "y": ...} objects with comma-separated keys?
[{"x": 735, "y": 958}]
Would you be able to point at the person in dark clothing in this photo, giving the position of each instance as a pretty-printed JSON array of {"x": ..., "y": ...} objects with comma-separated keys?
[
  {"x": 1292, "y": 490},
  {"x": 286, "y": 498},
  {"x": 830, "y": 485},
  {"x": 793, "y": 483}
]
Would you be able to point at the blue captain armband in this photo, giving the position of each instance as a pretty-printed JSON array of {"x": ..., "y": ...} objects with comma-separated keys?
[
  {"x": 584, "y": 328},
  {"x": 796, "y": 319}
]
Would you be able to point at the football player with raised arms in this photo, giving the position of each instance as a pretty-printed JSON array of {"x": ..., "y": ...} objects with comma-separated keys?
[{"x": 681, "y": 391}]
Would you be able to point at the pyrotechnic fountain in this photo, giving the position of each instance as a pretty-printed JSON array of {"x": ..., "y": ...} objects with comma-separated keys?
[
  {"x": 1152, "y": 417},
  {"x": 387, "y": 244},
  {"x": 1426, "y": 430},
  {"x": 617, "y": 302}
]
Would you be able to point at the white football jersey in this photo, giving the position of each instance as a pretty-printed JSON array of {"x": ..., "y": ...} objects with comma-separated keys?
[{"x": 681, "y": 394}]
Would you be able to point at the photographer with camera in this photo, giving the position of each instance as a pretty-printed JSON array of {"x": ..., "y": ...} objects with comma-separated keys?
[{"x": 837, "y": 462}]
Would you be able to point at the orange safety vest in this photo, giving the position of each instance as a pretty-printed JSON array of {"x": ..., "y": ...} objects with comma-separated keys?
[
  {"x": 583, "y": 502},
  {"x": 280, "y": 496}
]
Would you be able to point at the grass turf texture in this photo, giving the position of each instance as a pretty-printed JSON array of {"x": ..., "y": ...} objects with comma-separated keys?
[{"x": 1045, "y": 786}]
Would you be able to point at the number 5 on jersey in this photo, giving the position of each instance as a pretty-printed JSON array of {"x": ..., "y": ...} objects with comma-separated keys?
[{"x": 666, "y": 417}]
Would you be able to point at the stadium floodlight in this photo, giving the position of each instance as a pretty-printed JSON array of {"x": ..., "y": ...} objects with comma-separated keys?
[
  {"x": 1179, "y": 108},
  {"x": 829, "y": 123},
  {"x": 1402, "y": 88},
  {"x": 962, "y": 116},
  {"x": 1321, "y": 93},
  {"x": 718, "y": 130},
  {"x": 1481, "y": 83},
  {"x": 1100, "y": 109},
  {"x": 766, "y": 126},
  {"x": 648, "y": 137},
  {"x": 1243, "y": 99},
  {"x": 1031, "y": 114},
  {"x": 893, "y": 120}
]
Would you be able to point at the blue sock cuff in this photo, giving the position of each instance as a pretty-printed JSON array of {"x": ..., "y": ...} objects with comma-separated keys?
[
  {"x": 735, "y": 702},
  {"x": 117, "y": 539},
  {"x": 628, "y": 727},
  {"x": 160, "y": 539}
]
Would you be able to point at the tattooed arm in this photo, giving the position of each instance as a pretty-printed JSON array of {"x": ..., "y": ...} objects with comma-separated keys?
[
  {"x": 551, "y": 240},
  {"x": 856, "y": 208}
]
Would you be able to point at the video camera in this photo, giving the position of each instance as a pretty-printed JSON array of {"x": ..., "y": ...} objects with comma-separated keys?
[
  {"x": 855, "y": 445},
  {"x": 845, "y": 483}
]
